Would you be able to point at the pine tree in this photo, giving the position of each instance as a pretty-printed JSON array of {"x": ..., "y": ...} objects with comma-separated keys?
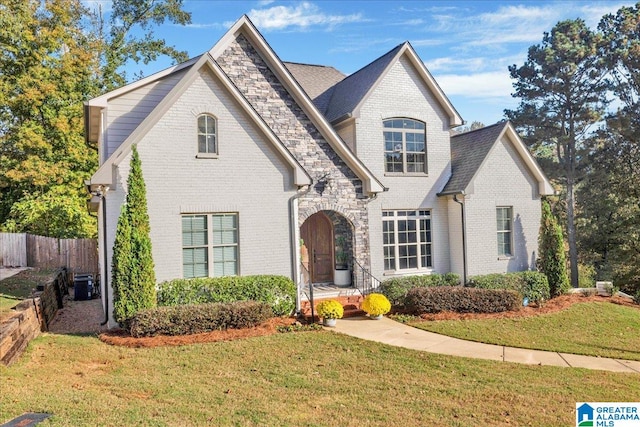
[
  {"x": 133, "y": 275},
  {"x": 552, "y": 260}
]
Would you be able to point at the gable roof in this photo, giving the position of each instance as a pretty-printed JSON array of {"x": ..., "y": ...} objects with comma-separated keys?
[
  {"x": 317, "y": 80},
  {"x": 104, "y": 173},
  {"x": 245, "y": 27},
  {"x": 470, "y": 150},
  {"x": 348, "y": 96}
]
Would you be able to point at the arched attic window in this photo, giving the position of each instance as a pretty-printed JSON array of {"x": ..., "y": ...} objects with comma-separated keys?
[
  {"x": 405, "y": 150},
  {"x": 207, "y": 138}
]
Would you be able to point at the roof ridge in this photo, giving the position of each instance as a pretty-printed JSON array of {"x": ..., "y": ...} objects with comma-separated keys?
[{"x": 501, "y": 122}]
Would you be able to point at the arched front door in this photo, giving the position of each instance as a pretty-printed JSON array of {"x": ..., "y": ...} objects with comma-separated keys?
[{"x": 317, "y": 233}]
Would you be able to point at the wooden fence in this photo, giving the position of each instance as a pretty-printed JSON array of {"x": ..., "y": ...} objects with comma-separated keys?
[{"x": 28, "y": 250}]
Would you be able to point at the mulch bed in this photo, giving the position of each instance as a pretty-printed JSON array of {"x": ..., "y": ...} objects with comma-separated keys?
[
  {"x": 552, "y": 306},
  {"x": 122, "y": 338}
]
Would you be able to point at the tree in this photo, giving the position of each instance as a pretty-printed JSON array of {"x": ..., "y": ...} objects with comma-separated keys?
[
  {"x": 467, "y": 128},
  {"x": 55, "y": 55},
  {"x": 562, "y": 91},
  {"x": 133, "y": 276},
  {"x": 551, "y": 259}
]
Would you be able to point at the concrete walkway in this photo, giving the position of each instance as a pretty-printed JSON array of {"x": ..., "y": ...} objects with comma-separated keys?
[{"x": 394, "y": 333}]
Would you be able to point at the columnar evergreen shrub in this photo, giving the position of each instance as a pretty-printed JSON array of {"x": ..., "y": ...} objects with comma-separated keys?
[
  {"x": 551, "y": 256},
  {"x": 278, "y": 291},
  {"x": 396, "y": 289},
  {"x": 133, "y": 275},
  {"x": 461, "y": 300}
]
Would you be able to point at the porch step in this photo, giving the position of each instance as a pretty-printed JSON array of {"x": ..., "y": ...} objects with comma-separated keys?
[{"x": 350, "y": 303}]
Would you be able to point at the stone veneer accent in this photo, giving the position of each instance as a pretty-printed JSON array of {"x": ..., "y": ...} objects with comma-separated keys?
[{"x": 343, "y": 194}]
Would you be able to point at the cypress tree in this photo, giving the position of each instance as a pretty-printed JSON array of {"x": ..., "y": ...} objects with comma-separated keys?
[
  {"x": 552, "y": 260},
  {"x": 133, "y": 275}
]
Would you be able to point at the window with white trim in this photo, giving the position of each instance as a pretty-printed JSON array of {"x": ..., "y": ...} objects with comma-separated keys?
[
  {"x": 404, "y": 146},
  {"x": 407, "y": 240},
  {"x": 207, "y": 140},
  {"x": 210, "y": 245},
  {"x": 504, "y": 217}
]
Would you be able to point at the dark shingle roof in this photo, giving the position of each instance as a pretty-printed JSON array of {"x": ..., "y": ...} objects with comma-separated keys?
[
  {"x": 317, "y": 80},
  {"x": 348, "y": 93},
  {"x": 468, "y": 151}
]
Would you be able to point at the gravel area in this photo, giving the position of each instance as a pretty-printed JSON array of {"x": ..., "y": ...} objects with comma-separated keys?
[{"x": 78, "y": 317}]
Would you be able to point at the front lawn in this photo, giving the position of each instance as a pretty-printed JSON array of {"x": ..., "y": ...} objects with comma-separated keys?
[
  {"x": 592, "y": 328},
  {"x": 310, "y": 379}
]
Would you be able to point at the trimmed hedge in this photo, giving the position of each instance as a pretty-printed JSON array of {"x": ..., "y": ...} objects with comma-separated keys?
[
  {"x": 530, "y": 284},
  {"x": 277, "y": 291},
  {"x": 194, "y": 319},
  {"x": 396, "y": 289},
  {"x": 461, "y": 300}
]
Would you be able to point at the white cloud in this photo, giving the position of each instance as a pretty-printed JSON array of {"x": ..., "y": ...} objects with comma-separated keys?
[
  {"x": 96, "y": 5},
  {"x": 493, "y": 84},
  {"x": 304, "y": 15},
  {"x": 456, "y": 63}
]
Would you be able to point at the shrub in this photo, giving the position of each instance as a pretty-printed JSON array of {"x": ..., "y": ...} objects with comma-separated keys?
[
  {"x": 461, "y": 300},
  {"x": 376, "y": 304},
  {"x": 278, "y": 291},
  {"x": 530, "y": 284},
  {"x": 552, "y": 260},
  {"x": 636, "y": 297},
  {"x": 396, "y": 289},
  {"x": 132, "y": 272},
  {"x": 198, "y": 318},
  {"x": 330, "y": 309}
]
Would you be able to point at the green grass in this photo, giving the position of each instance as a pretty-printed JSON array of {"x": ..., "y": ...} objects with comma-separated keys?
[
  {"x": 592, "y": 328},
  {"x": 295, "y": 379},
  {"x": 16, "y": 288}
]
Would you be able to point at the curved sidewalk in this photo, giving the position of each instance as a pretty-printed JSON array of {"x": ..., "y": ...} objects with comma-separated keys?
[{"x": 394, "y": 333}]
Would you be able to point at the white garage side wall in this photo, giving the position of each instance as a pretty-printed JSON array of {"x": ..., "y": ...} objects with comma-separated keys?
[
  {"x": 403, "y": 94},
  {"x": 504, "y": 180}
]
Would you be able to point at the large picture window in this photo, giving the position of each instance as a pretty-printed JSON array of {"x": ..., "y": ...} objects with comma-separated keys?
[
  {"x": 407, "y": 240},
  {"x": 505, "y": 228},
  {"x": 404, "y": 146},
  {"x": 210, "y": 245}
]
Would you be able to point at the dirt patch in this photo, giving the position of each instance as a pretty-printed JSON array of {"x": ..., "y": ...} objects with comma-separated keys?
[
  {"x": 552, "y": 306},
  {"x": 78, "y": 317},
  {"x": 121, "y": 337}
]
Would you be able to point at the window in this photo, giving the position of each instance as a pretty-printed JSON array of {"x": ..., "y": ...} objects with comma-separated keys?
[
  {"x": 406, "y": 240},
  {"x": 210, "y": 244},
  {"x": 404, "y": 146},
  {"x": 504, "y": 222},
  {"x": 207, "y": 143}
]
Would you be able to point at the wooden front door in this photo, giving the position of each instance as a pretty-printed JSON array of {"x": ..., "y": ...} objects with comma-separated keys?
[{"x": 317, "y": 233}]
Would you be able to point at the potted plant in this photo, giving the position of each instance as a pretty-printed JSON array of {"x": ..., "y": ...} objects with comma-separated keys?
[
  {"x": 330, "y": 310},
  {"x": 342, "y": 273},
  {"x": 376, "y": 305}
]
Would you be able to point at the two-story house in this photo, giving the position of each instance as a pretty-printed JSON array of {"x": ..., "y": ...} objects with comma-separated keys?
[{"x": 246, "y": 157}]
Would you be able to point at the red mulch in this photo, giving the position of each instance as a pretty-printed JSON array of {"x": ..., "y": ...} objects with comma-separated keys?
[
  {"x": 552, "y": 306},
  {"x": 122, "y": 338}
]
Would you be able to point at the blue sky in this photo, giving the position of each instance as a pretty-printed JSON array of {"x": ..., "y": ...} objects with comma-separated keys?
[{"x": 467, "y": 45}]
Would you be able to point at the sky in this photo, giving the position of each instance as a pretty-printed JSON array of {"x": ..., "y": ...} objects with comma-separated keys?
[{"x": 466, "y": 45}]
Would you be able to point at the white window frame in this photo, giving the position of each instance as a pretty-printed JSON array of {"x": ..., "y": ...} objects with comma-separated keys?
[
  {"x": 401, "y": 146},
  {"x": 422, "y": 228},
  {"x": 501, "y": 231},
  {"x": 211, "y": 245},
  {"x": 206, "y": 154}
]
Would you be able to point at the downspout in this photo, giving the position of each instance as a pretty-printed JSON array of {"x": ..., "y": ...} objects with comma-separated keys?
[
  {"x": 293, "y": 232},
  {"x": 464, "y": 240},
  {"x": 105, "y": 277}
]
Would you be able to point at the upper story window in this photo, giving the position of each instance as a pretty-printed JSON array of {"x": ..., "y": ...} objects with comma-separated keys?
[
  {"x": 207, "y": 140},
  {"x": 404, "y": 146}
]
